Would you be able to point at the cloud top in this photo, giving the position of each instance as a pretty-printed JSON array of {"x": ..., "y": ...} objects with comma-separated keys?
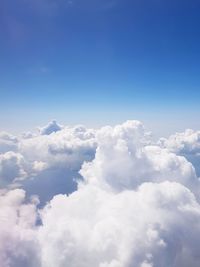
[
  {"x": 51, "y": 127},
  {"x": 107, "y": 198}
]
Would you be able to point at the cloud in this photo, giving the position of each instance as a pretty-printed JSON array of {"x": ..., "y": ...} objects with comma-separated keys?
[
  {"x": 51, "y": 127},
  {"x": 8, "y": 142},
  {"x": 47, "y": 163},
  {"x": 156, "y": 225},
  {"x": 18, "y": 240},
  {"x": 125, "y": 159},
  {"x": 134, "y": 203},
  {"x": 56, "y": 160},
  {"x": 11, "y": 168},
  {"x": 186, "y": 144}
]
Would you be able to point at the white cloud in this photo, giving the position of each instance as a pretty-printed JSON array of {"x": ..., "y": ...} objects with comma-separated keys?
[
  {"x": 186, "y": 144},
  {"x": 39, "y": 166},
  {"x": 156, "y": 225},
  {"x": 136, "y": 205},
  {"x": 124, "y": 159},
  {"x": 51, "y": 127},
  {"x": 8, "y": 142},
  {"x": 50, "y": 160},
  {"x": 18, "y": 240},
  {"x": 11, "y": 168}
]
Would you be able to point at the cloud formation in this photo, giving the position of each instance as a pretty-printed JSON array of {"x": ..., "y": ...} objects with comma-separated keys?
[
  {"x": 156, "y": 225},
  {"x": 135, "y": 203},
  {"x": 46, "y": 163},
  {"x": 18, "y": 241},
  {"x": 11, "y": 168},
  {"x": 51, "y": 127},
  {"x": 186, "y": 144}
]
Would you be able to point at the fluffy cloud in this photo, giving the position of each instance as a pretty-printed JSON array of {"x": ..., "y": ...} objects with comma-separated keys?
[
  {"x": 47, "y": 163},
  {"x": 18, "y": 240},
  {"x": 51, "y": 127},
  {"x": 136, "y": 203},
  {"x": 125, "y": 159},
  {"x": 8, "y": 142},
  {"x": 186, "y": 144},
  {"x": 11, "y": 168},
  {"x": 156, "y": 225},
  {"x": 56, "y": 159}
]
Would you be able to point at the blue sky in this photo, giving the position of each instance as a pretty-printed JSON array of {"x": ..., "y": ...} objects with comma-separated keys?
[{"x": 99, "y": 62}]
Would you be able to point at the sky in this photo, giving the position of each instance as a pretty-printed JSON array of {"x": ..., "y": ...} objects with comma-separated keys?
[
  {"x": 98, "y": 62},
  {"x": 107, "y": 194}
]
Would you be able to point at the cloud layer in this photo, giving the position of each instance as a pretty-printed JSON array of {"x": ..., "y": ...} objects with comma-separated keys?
[{"x": 111, "y": 197}]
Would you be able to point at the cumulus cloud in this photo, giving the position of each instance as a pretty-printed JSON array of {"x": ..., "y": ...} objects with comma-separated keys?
[
  {"x": 125, "y": 159},
  {"x": 186, "y": 144},
  {"x": 47, "y": 163},
  {"x": 135, "y": 203},
  {"x": 11, "y": 168},
  {"x": 8, "y": 142},
  {"x": 156, "y": 225},
  {"x": 18, "y": 241},
  {"x": 51, "y": 127}
]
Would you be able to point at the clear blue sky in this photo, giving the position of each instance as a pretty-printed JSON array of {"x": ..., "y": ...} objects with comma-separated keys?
[{"x": 100, "y": 61}]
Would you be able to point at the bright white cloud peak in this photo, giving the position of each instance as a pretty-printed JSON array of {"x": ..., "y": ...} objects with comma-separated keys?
[{"x": 115, "y": 198}]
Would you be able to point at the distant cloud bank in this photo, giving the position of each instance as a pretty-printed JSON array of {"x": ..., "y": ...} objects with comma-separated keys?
[{"x": 109, "y": 197}]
